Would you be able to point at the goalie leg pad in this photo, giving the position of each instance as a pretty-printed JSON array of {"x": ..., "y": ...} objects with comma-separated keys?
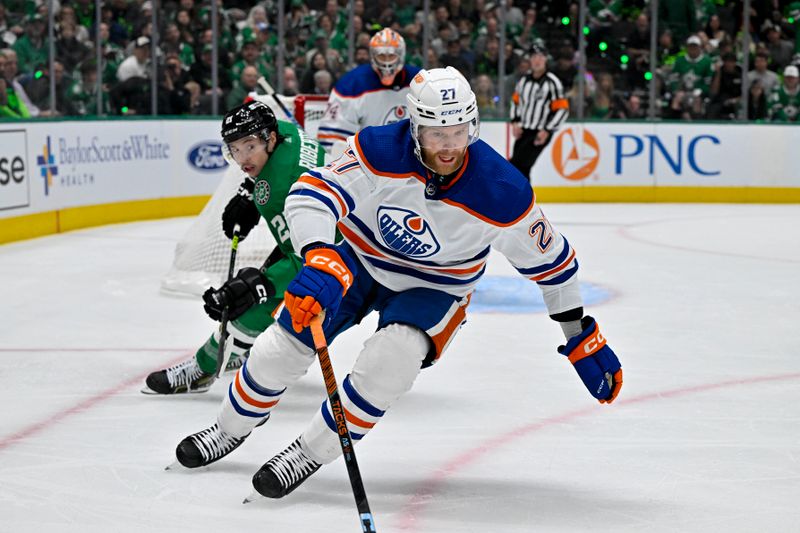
[
  {"x": 385, "y": 370},
  {"x": 277, "y": 360}
]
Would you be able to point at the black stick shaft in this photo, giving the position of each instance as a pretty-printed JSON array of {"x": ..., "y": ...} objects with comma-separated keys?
[
  {"x": 360, "y": 495},
  {"x": 223, "y": 333}
]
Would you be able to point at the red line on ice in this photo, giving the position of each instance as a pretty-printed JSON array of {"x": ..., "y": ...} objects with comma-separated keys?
[
  {"x": 84, "y": 405},
  {"x": 410, "y": 516}
]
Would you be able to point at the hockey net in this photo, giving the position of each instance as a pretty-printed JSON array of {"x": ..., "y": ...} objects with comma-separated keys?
[{"x": 202, "y": 256}]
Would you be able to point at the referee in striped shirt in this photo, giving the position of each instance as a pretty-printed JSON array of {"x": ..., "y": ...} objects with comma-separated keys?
[{"x": 538, "y": 108}]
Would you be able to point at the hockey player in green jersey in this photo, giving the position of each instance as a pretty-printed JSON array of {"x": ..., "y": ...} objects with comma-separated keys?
[
  {"x": 784, "y": 101},
  {"x": 273, "y": 154}
]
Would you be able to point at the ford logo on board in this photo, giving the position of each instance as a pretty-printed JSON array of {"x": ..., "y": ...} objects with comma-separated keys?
[{"x": 207, "y": 156}]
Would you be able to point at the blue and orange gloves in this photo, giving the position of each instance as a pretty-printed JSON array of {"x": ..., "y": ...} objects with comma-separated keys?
[
  {"x": 595, "y": 362},
  {"x": 320, "y": 284}
]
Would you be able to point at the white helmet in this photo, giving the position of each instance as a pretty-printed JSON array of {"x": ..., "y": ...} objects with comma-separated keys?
[
  {"x": 387, "y": 42},
  {"x": 438, "y": 98}
]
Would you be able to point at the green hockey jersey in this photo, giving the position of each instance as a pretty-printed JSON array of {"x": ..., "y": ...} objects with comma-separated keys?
[{"x": 296, "y": 154}]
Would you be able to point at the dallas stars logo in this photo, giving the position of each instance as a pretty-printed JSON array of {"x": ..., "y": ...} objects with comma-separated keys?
[{"x": 261, "y": 193}]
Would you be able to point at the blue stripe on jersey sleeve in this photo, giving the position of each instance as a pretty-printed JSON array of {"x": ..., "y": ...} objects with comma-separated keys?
[
  {"x": 358, "y": 401},
  {"x": 416, "y": 273},
  {"x": 322, "y": 198},
  {"x": 561, "y": 278},
  {"x": 351, "y": 204},
  {"x": 337, "y": 130},
  {"x": 549, "y": 266}
]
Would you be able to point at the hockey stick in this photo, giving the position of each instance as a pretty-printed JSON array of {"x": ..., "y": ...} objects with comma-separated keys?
[
  {"x": 271, "y": 92},
  {"x": 222, "y": 354},
  {"x": 321, "y": 345}
]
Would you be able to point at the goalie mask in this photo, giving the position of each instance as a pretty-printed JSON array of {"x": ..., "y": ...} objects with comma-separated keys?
[
  {"x": 251, "y": 119},
  {"x": 387, "y": 50},
  {"x": 442, "y": 108}
]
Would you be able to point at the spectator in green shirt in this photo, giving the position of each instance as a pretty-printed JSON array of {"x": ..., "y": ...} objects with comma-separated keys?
[
  {"x": 10, "y": 105},
  {"x": 248, "y": 82},
  {"x": 690, "y": 81},
  {"x": 32, "y": 47},
  {"x": 250, "y": 56},
  {"x": 9, "y": 73},
  {"x": 784, "y": 102}
]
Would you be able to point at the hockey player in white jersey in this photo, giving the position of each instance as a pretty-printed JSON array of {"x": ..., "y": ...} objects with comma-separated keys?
[
  {"x": 420, "y": 203},
  {"x": 372, "y": 94}
]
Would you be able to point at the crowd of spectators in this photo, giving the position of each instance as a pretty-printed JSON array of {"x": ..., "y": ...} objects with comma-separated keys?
[{"x": 698, "y": 74}]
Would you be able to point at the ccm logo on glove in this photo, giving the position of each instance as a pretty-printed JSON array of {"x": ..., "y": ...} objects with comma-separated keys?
[
  {"x": 263, "y": 294},
  {"x": 329, "y": 264},
  {"x": 590, "y": 345},
  {"x": 320, "y": 284}
]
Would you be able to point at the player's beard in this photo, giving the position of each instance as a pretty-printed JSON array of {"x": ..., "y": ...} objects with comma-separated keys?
[{"x": 444, "y": 162}]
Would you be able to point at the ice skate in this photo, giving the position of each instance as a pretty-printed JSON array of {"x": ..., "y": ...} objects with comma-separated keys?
[
  {"x": 205, "y": 447},
  {"x": 185, "y": 377},
  {"x": 285, "y": 472}
]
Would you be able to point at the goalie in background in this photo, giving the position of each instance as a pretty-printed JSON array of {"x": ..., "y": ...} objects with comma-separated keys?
[
  {"x": 273, "y": 154},
  {"x": 372, "y": 94}
]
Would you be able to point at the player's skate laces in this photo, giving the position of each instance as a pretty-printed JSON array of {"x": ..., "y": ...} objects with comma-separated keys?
[
  {"x": 284, "y": 472},
  {"x": 205, "y": 447},
  {"x": 184, "y": 377}
]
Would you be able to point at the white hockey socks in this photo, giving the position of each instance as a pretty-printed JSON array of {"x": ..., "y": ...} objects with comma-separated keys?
[
  {"x": 385, "y": 370},
  {"x": 277, "y": 360}
]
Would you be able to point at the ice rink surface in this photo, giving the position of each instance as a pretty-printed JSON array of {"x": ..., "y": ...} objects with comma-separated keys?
[{"x": 501, "y": 435}]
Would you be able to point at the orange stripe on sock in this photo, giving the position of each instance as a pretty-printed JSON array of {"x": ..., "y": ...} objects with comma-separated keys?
[
  {"x": 357, "y": 421},
  {"x": 248, "y": 399}
]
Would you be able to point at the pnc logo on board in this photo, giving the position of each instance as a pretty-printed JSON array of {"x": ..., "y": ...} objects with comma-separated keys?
[{"x": 575, "y": 153}]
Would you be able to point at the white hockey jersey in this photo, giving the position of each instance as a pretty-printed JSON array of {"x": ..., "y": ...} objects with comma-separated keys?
[
  {"x": 359, "y": 100},
  {"x": 408, "y": 233}
]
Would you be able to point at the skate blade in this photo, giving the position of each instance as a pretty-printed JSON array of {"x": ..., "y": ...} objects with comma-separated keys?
[
  {"x": 176, "y": 465},
  {"x": 253, "y": 497},
  {"x": 150, "y": 392}
]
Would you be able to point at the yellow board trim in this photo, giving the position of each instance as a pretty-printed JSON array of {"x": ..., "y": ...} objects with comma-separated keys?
[
  {"x": 48, "y": 223},
  {"x": 734, "y": 195}
]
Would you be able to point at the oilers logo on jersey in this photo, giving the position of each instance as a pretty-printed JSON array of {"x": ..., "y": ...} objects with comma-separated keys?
[
  {"x": 396, "y": 114},
  {"x": 406, "y": 232}
]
